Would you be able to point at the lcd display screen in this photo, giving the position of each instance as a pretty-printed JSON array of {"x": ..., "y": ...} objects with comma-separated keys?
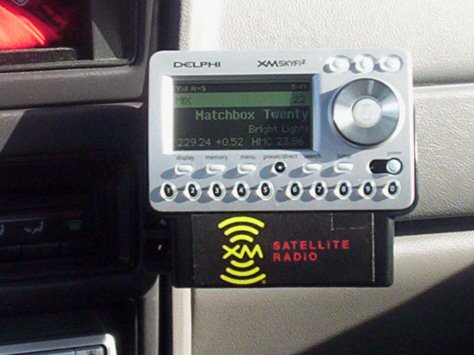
[{"x": 225, "y": 115}]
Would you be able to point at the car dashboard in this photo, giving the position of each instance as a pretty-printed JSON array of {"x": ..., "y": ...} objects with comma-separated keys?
[{"x": 86, "y": 262}]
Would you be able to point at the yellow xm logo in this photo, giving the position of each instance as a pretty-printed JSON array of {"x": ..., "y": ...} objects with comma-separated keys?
[{"x": 242, "y": 250}]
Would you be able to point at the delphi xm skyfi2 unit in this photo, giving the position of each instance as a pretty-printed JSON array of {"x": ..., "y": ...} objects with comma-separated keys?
[{"x": 281, "y": 168}]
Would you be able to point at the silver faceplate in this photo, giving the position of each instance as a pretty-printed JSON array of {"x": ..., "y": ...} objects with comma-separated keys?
[{"x": 330, "y": 149}]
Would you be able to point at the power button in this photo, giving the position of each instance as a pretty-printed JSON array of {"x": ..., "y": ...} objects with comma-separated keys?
[{"x": 394, "y": 166}]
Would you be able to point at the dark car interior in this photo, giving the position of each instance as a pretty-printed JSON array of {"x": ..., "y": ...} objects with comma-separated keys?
[{"x": 85, "y": 261}]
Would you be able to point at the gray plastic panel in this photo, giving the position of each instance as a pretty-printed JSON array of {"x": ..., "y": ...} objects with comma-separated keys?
[
  {"x": 436, "y": 32},
  {"x": 444, "y": 127}
]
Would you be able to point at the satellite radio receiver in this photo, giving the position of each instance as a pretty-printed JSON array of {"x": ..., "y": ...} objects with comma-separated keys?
[
  {"x": 306, "y": 130},
  {"x": 282, "y": 168}
]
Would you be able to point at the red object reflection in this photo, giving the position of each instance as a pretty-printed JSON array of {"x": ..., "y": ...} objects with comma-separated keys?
[{"x": 34, "y": 23}]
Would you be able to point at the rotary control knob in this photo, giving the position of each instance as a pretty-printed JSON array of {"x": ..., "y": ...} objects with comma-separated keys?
[{"x": 366, "y": 112}]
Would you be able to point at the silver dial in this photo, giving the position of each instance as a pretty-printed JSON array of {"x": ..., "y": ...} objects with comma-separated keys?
[{"x": 366, "y": 112}]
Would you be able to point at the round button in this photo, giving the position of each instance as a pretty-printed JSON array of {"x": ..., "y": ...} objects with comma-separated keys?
[
  {"x": 216, "y": 191},
  {"x": 192, "y": 191},
  {"x": 343, "y": 189},
  {"x": 279, "y": 167},
  {"x": 294, "y": 190},
  {"x": 390, "y": 64},
  {"x": 241, "y": 190},
  {"x": 319, "y": 190},
  {"x": 367, "y": 189},
  {"x": 364, "y": 64},
  {"x": 366, "y": 112},
  {"x": 265, "y": 190},
  {"x": 392, "y": 189},
  {"x": 168, "y": 191},
  {"x": 338, "y": 64},
  {"x": 394, "y": 166}
]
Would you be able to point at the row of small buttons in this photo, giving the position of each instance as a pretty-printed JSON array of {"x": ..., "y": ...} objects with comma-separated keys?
[
  {"x": 243, "y": 168},
  {"x": 393, "y": 166},
  {"x": 363, "y": 63},
  {"x": 294, "y": 190}
]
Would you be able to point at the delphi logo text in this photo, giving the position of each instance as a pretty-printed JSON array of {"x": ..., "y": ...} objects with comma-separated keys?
[
  {"x": 281, "y": 63},
  {"x": 197, "y": 64},
  {"x": 242, "y": 252}
]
